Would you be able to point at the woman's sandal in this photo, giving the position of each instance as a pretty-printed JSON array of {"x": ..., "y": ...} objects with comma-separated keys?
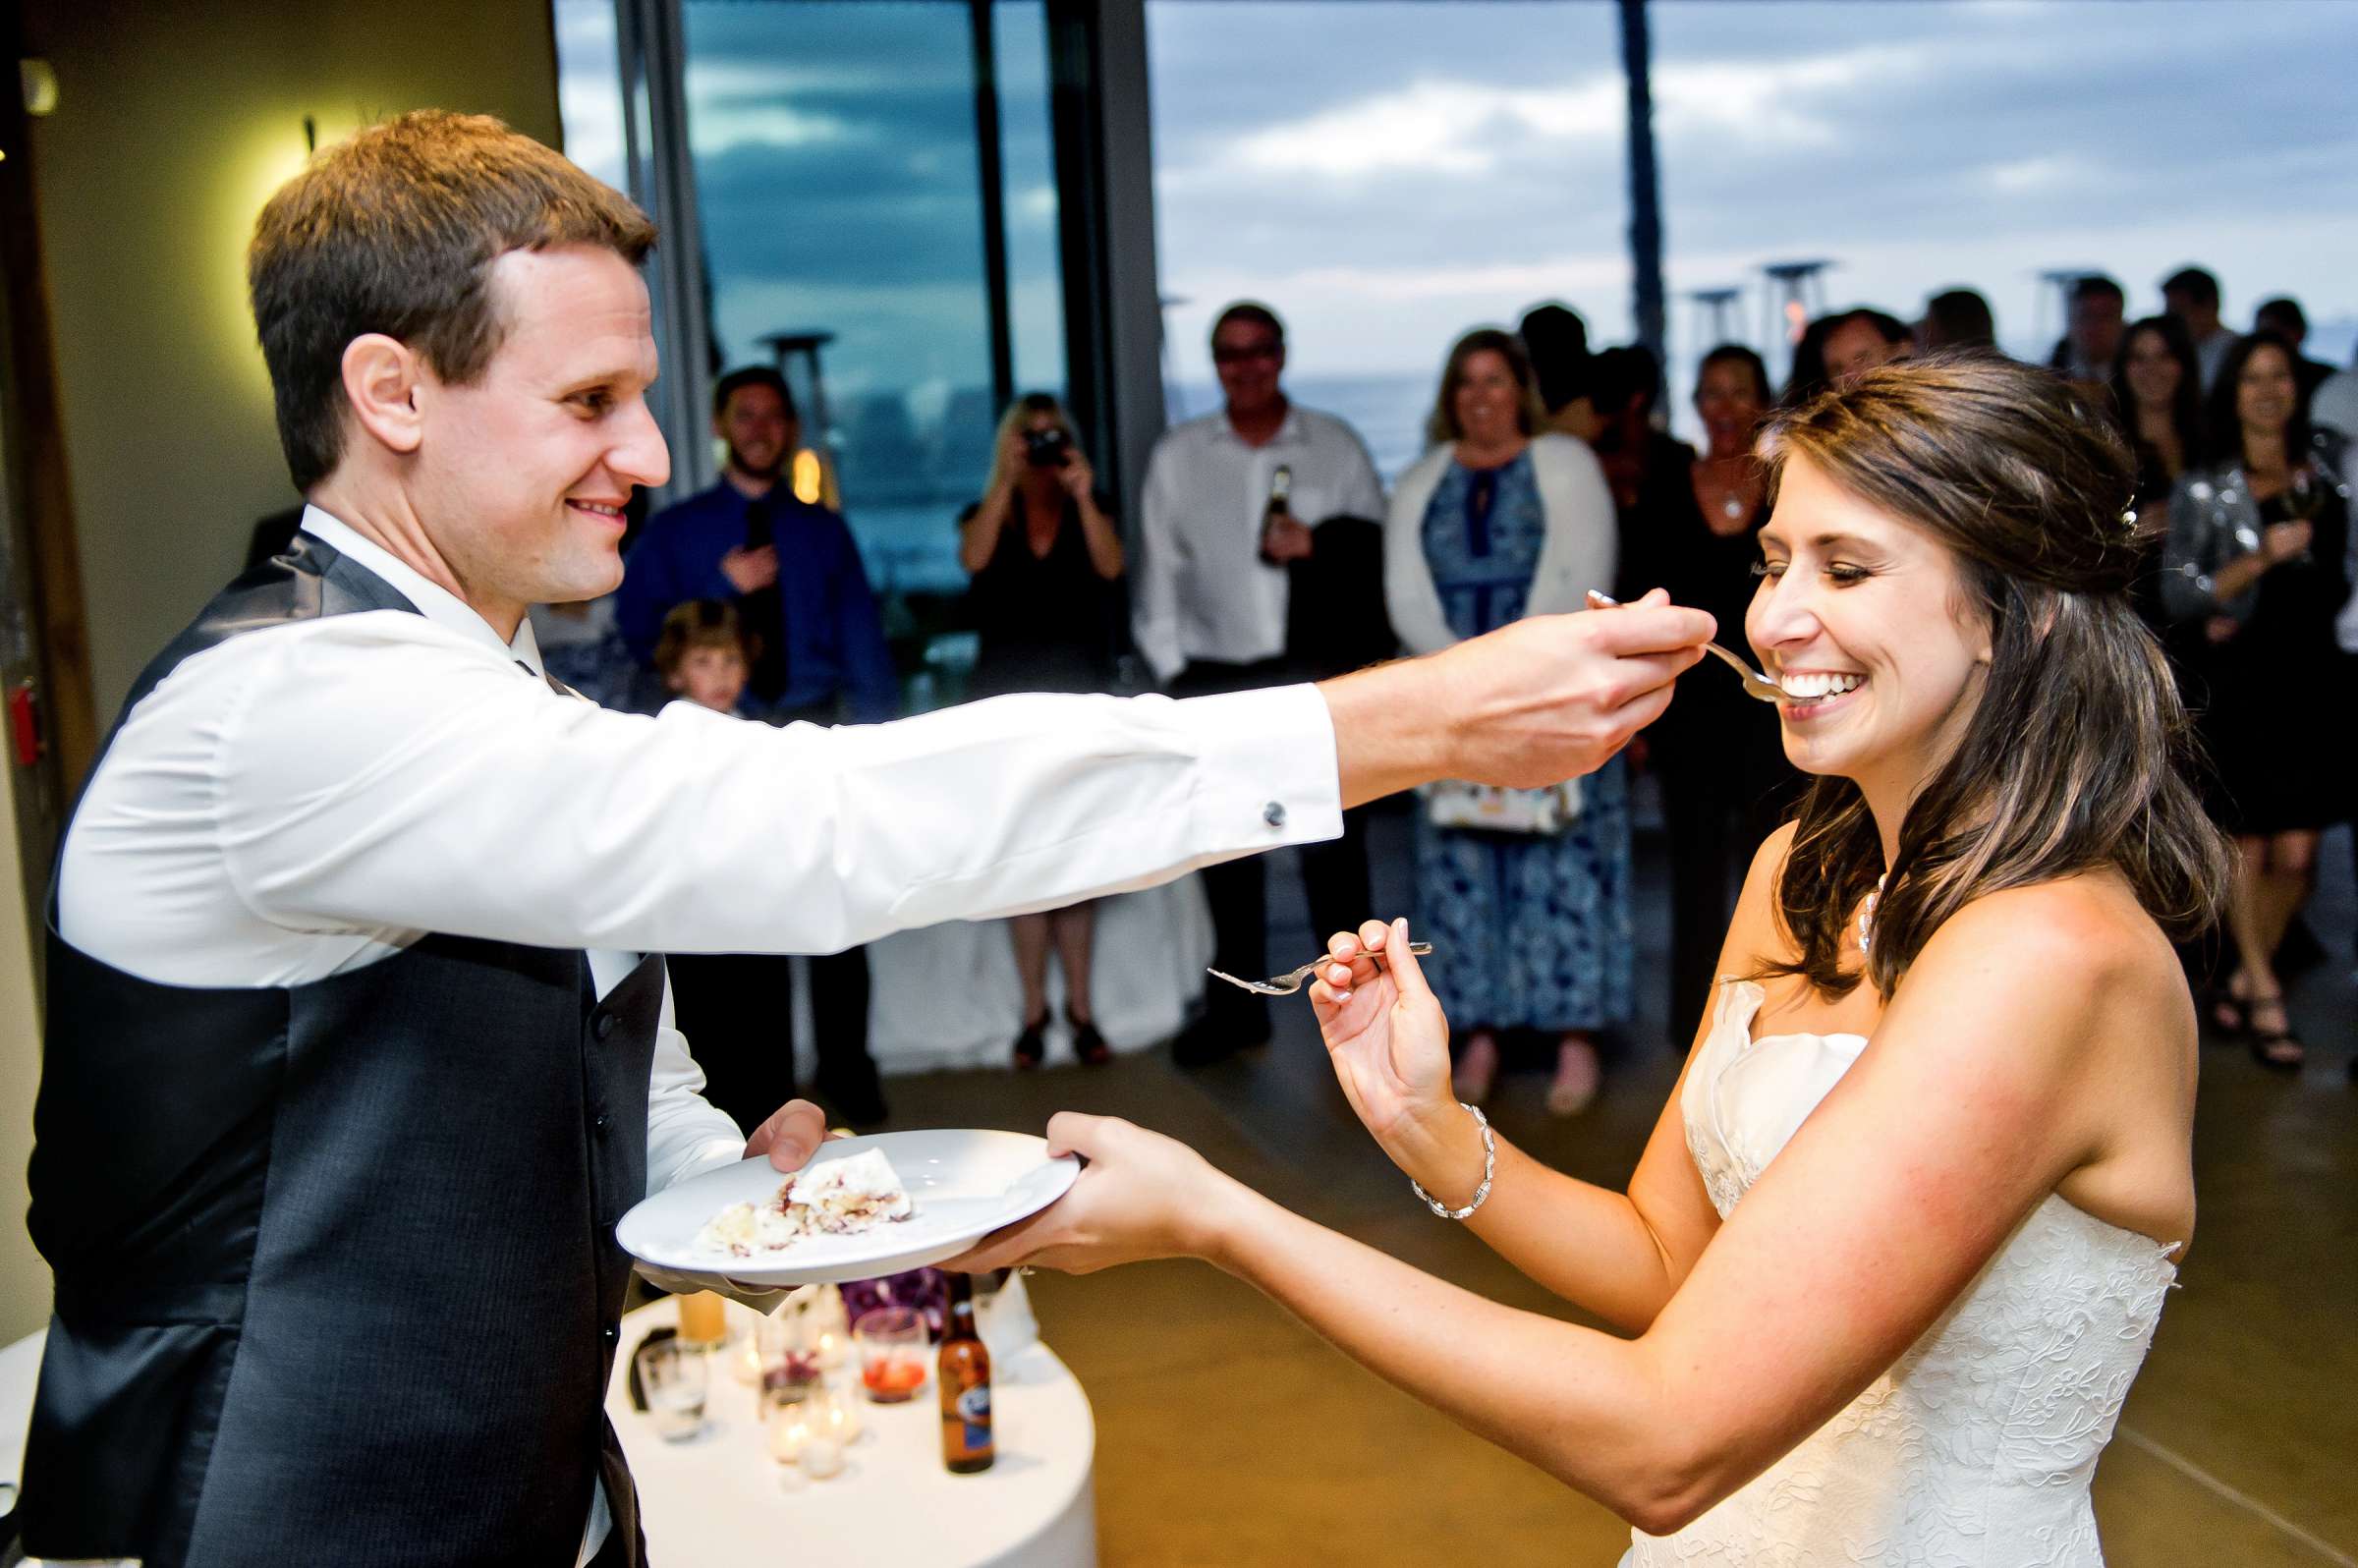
[
  {"x": 1032, "y": 1045},
  {"x": 2229, "y": 1008},
  {"x": 2279, "y": 1048},
  {"x": 1088, "y": 1044}
]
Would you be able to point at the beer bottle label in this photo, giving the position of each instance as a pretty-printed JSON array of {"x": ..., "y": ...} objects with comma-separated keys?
[{"x": 974, "y": 1409}]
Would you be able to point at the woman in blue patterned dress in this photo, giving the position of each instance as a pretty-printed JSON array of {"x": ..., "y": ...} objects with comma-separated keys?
[{"x": 1500, "y": 520}]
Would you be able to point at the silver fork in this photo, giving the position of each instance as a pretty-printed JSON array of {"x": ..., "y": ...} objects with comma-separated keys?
[
  {"x": 1287, "y": 984},
  {"x": 1755, "y": 685}
]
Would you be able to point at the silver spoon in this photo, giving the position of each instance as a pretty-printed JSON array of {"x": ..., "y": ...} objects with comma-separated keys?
[{"x": 1755, "y": 685}]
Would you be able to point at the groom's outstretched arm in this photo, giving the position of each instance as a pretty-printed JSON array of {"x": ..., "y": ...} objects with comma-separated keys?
[{"x": 1532, "y": 703}]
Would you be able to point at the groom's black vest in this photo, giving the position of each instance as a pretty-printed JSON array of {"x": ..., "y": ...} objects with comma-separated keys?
[{"x": 336, "y": 1272}]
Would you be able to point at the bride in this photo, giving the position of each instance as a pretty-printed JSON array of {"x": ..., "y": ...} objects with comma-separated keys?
[{"x": 1901, "y": 1238}]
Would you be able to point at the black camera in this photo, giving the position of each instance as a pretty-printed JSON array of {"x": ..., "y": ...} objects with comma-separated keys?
[{"x": 1047, "y": 449}]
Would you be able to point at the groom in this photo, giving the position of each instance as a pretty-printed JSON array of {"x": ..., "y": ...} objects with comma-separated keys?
[{"x": 359, "y": 1037}]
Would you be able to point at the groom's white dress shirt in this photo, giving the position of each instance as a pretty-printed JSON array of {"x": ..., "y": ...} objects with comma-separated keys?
[{"x": 311, "y": 798}]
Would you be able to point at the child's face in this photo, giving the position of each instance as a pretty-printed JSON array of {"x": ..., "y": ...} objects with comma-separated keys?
[{"x": 711, "y": 677}]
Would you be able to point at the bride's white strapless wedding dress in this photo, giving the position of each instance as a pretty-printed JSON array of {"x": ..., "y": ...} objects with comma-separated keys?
[{"x": 1977, "y": 1448}]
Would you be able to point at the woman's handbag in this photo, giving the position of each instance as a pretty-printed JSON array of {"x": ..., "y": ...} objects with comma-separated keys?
[{"x": 1496, "y": 808}]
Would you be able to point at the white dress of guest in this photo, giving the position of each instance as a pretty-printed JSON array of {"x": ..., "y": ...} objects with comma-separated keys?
[
  {"x": 1977, "y": 1447},
  {"x": 1578, "y": 555}
]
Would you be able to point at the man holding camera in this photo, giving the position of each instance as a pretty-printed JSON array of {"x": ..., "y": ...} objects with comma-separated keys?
[{"x": 1242, "y": 509}]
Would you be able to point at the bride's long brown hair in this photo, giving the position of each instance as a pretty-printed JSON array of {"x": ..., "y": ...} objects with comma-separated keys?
[{"x": 2078, "y": 755}]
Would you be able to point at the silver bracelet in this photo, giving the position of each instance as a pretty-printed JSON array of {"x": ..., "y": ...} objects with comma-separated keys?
[{"x": 1489, "y": 1167}]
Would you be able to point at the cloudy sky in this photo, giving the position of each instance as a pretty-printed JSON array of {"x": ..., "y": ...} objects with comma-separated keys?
[{"x": 1389, "y": 173}]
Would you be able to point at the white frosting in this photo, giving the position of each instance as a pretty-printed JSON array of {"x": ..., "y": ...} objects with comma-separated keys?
[{"x": 836, "y": 1198}]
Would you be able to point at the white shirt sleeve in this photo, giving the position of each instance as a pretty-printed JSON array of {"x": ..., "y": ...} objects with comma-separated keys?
[
  {"x": 371, "y": 777},
  {"x": 1154, "y": 616}
]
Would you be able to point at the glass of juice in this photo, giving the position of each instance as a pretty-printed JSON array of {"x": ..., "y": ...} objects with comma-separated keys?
[{"x": 891, "y": 1342}]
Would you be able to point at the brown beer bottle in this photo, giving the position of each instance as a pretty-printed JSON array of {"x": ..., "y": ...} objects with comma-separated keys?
[{"x": 964, "y": 1375}]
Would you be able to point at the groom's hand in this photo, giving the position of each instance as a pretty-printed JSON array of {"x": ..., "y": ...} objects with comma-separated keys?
[{"x": 1535, "y": 703}]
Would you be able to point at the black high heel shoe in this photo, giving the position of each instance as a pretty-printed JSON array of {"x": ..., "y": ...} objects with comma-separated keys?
[
  {"x": 1032, "y": 1045},
  {"x": 2279, "y": 1049},
  {"x": 1088, "y": 1044}
]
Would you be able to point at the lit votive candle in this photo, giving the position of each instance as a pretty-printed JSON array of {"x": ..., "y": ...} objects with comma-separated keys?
[
  {"x": 789, "y": 1433},
  {"x": 822, "y": 1456}
]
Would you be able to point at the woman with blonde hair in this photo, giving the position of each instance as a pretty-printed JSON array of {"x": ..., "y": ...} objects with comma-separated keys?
[
  {"x": 1500, "y": 520},
  {"x": 1901, "y": 1237},
  {"x": 1046, "y": 563}
]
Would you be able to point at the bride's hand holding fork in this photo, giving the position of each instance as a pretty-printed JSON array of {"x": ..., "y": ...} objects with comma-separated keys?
[{"x": 1389, "y": 1043}]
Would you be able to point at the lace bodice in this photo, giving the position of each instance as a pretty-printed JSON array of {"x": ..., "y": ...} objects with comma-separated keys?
[{"x": 1975, "y": 1449}]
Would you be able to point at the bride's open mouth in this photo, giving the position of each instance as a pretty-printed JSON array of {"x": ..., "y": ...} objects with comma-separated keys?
[{"x": 1814, "y": 694}]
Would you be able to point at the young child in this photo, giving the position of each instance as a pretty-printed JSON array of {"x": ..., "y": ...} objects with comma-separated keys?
[
  {"x": 735, "y": 1008},
  {"x": 703, "y": 655}
]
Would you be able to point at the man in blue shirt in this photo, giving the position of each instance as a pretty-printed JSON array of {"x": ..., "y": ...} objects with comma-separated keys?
[
  {"x": 789, "y": 566},
  {"x": 792, "y": 571}
]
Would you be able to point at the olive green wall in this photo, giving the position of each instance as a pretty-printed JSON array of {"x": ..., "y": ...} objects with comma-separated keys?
[{"x": 174, "y": 122}]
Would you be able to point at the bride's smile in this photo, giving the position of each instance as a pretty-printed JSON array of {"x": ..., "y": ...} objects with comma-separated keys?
[{"x": 1868, "y": 624}]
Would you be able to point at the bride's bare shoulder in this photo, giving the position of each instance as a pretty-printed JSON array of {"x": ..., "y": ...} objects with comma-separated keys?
[{"x": 2081, "y": 939}]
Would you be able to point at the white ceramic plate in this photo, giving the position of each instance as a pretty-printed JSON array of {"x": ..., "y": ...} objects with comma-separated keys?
[{"x": 963, "y": 1185}]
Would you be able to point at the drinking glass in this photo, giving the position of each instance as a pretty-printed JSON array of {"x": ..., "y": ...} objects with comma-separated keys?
[
  {"x": 703, "y": 1317},
  {"x": 674, "y": 1375},
  {"x": 891, "y": 1341}
]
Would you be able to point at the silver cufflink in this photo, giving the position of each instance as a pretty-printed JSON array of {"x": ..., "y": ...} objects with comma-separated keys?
[{"x": 1273, "y": 813}]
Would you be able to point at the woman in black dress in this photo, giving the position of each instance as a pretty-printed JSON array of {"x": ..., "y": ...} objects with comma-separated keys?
[
  {"x": 1046, "y": 561},
  {"x": 1717, "y": 752},
  {"x": 2157, "y": 389},
  {"x": 2255, "y": 566}
]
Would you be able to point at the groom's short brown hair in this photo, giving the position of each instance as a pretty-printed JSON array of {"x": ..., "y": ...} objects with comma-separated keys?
[{"x": 395, "y": 231}]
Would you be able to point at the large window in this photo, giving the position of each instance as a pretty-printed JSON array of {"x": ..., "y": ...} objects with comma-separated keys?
[{"x": 846, "y": 208}]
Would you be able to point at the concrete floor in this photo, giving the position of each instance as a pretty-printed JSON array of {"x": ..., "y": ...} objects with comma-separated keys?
[{"x": 1229, "y": 1435}]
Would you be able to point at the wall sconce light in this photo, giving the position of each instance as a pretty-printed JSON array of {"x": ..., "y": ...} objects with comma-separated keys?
[{"x": 39, "y": 81}]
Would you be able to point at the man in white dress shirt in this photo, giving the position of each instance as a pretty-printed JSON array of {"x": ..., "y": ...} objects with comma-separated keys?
[
  {"x": 359, "y": 1037},
  {"x": 1233, "y": 509}
]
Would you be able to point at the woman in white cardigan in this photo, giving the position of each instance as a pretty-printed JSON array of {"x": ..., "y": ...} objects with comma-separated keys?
[{"x": 1499, "y": 521}]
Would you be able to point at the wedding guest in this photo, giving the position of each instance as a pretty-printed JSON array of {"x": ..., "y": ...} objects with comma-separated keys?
[
  {"x": 793, "y": 573},
  {"x": 1629, "y": 384},
  {"x": 1857, "y": 341},
  {"x": 1232, "y": 501},
  {"x": 2192, "y": 296},
  {"x": 2155, "y": 394},
  {"x": 1957, "y": 319},
  {"x": 1046, "y": 560},
  {"x": 1929, "y": 1172},
  {"x": 2091, "y": 341},
  {"x": 738, "y": 1007},
  {"x": 2256, "y": 560},
  {"x": 356, "y": 1042},
  {"x": 1806, "y": 375},
  {"x": 2285, "y": 318},
  {"x": 2334, "y": 407},
  {"x": 789, "y": 566},
  {"x": 1716, "y": 754},
  {"x": 1499, "y": 521},
  {"x": 1558, "y": 340}
]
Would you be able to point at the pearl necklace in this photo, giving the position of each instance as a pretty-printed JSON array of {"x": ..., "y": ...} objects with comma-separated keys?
[{"x": 1867, "y": 912}]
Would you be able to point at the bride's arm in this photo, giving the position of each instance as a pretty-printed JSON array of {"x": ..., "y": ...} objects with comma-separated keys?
[
  {"x": 1983, "y": 1089},
  {"x": 1618, "y": 1255}
]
